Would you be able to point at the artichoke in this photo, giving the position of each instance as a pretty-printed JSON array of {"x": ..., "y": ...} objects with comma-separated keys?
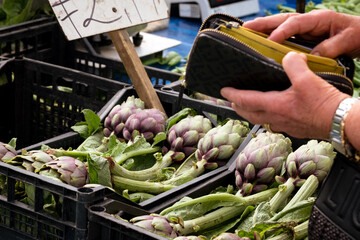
[
  {"x": 261, "y": 160},
  {"x": 115, "y": 121},
  {"x": 185, "y": 135},
  {"x": 221, "y": 142},
  {"x": 230, "y": 236},
  {"x": 32, "y": 161},
  {"x": 147, "y": 122},
  {"x": 312, "y": 158},
  {"x": 191, "y": 238},
  {"x": 210, "y": 99},
  {"x": 156, "y": 224},
  {"x": 68, "y": 169},
  {"x": 217, "y": 146},
  {"x": 7, "y": 152},
  {"x": 63, "y": 169}
]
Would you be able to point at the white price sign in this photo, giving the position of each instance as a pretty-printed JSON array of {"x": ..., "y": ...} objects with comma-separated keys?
[{"x": 82, "y": 18}]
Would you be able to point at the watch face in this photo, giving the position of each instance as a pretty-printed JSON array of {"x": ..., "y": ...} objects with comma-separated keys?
[{"x": 216, "y": 3}]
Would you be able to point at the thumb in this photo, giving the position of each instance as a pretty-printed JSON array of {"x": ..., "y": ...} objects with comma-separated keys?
[{"x": 296, "y": 68}]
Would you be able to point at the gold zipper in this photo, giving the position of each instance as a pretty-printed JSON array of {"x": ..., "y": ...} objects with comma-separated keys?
[
  {"x": 229, "y": 36},
  {"x": 337, "y": 74}
]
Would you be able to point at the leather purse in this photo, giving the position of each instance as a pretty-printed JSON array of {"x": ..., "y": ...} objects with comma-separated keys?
[{"x": 226, "y": 54}]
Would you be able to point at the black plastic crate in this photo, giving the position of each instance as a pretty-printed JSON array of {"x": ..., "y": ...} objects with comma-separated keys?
[
  {"x": 108, "y": 68},
  {"x": 22, "y": 221},
  {"x": 38, "y": 39},
  {"x": 105, "y": 224},
  {"x": 43, "y": 40},
  {"x": 45, "y": 100}
]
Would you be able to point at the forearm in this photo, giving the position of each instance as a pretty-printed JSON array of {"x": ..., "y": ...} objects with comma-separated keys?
[{"x": 352, "y": 125}]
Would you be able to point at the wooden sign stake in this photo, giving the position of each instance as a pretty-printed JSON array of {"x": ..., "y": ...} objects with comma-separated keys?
[{"x": 135, "y": 69}]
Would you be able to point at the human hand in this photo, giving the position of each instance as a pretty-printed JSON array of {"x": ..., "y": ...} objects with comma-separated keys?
[
  {"x": 304, "y": 110},
  {"x": 338, "y": 33}
]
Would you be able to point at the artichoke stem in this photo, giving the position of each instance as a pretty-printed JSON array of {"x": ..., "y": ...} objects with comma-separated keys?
[
  {"x": 74, "y": 154},
  {"x": 142, "y": 175},
  {"x": 305, "y": 191},
  {"x": 121, "y": 184},
  {"x": 192, "y": 173},
  {"x": 223, "y": 197},
  {"x": 223, "y": 214},
  {"x": 300, "y": 232},
  {"x": 124, "y": 156},
  {"x": 280, "y": 197}
]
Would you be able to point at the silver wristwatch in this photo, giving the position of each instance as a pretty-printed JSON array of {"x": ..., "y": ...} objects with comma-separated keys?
[{"x": 335, "y": 133}]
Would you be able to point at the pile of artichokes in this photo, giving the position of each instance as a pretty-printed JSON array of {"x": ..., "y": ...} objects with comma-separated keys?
[{"x": 267, "y": 173}]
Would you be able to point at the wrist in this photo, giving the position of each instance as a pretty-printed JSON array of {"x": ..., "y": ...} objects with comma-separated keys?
[
  {"x": 328, "y": 114},
  {"x": 338, "y": 135},
  {"x": 352, "y": 127}
]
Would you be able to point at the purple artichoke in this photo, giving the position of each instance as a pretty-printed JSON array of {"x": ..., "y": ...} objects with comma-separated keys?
[
  {"x": 221, "y": 142},
  {"x": 70, "y": 170},
  {"x": 210, "y": 99},
  {"x": 115, "y": 121},
  {"x": 312, "y": 158},
  {"x": 156, "y": 224},
  {"x": 147, "y": 122},
  {"x": 260, "y": 161},
  {"x": 7, "y": 152},
  {"x": 32, "y": 161},
  {"x": 185, "y": 135},
  {"x": 191, "y": 238},
  {"x": 230, "y": 236},
  {"x": 64, "y": 169}
]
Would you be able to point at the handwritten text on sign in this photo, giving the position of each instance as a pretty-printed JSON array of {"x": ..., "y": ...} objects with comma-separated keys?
[{"x": 82, "y": 18}]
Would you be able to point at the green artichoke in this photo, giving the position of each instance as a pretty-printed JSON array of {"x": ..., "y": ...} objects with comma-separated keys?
[
  {"x": 221, "y": 142},
  {"x": 260, "y": 161},
  {"x": 185, "y": 135},
  {"x": 156, "y": 224},
  {"x": 147, "y": 122},
  {"x": 7, "y": 152},
  {"x": 115, "y": 121},
  {"x": 312, "y": 158}
]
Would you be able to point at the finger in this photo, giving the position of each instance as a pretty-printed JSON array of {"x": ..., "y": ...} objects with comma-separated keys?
[
  {"x": 298, "y": 25},
  {"x": 248, "y": 100},
  {"x": 269, "y": 23},
  {"x": 344, "y": 42}
]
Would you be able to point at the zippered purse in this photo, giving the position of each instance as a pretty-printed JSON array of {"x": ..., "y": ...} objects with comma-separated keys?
[{"x": 226, "y": 54}]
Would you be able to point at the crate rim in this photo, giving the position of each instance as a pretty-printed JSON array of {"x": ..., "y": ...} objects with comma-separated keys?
[{"x": 55, "y": 66}]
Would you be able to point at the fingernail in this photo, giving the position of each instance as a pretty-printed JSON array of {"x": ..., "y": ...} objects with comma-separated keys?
[{"x": 316, "y": 53}]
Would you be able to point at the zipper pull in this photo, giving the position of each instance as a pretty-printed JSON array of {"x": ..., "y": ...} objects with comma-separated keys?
[{"x": 233, "y": 25}]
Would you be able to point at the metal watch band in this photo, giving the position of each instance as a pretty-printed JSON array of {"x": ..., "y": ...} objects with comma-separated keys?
[{"x": 335, "y": 133}]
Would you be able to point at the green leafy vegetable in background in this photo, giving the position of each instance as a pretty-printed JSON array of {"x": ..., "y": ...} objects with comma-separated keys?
[{"x": 17, "y": 11}]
